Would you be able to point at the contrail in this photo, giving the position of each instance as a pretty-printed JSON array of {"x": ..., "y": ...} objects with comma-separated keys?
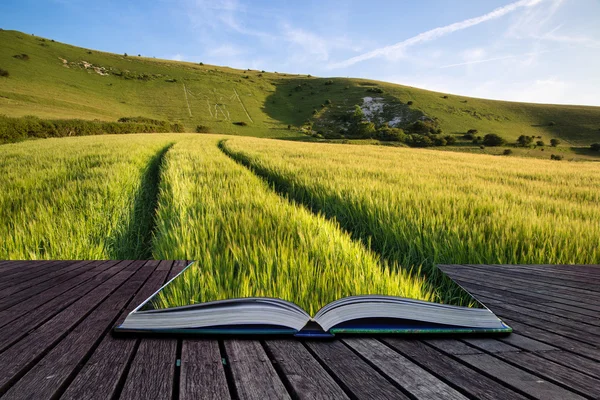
[{"x": 436, "y": 33}]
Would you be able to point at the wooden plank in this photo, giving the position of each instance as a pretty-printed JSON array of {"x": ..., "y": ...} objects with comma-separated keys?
[
  {"x": 305, "y": 375},
  {"x": 106, "y": 367},
  {"x": 152, "y": 371},
  {"x": 563, "y": 330},
  {"x": 527, "y": 308},
  {"x": 202, "y": 372},
  {"x": 574, "y": 380},
  {"x": 23, "y": 354},
  {"x": 472, "y": 284},
  {"x": 525, "y": 343},
  {"x": 8, "y": 267},
  {"x": 411, "y": 377},
  {"x": 20, "y": 292},
  {"x": 23, "y": 267},
  {"x": 491, "y": 345},
  {"x": 54, "y": 370},
  {"x": 253, "y": 374},
  {"x": 584, "y": 324},
  {"x": 40, "y": 300},
  {"x": 586, "y": 272},
  {"x": 550, "y": 276},
  {"x": 518, "y": 378},
  {"x": 37, "y": 316},
  {"x": 51, "y": 276},
  {"x": 574, "y": 361},
  {"x": 25, "y": 275},
  {"x": 555, "y": 340},
  {"x": 543, "y": 288},
  {"x": 461, "y": 377},
  {"x": 476, "y": 287},
  {"x": 353, "y": 373}
]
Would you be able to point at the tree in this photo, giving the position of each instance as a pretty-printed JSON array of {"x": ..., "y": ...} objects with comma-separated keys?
[
  {"x": 540, "y": 143},
  {"x": 491, "y": 139},
  {"x": 524, "y": 141},
  {"x": 507, "y": 152},
  {"x": 358, "y": 114},
  {"x": 554, "y": 142}
]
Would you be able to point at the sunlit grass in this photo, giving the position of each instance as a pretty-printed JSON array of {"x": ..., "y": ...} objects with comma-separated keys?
[
  {"x": 78, "y": 198},
  {"x": 421, "y": 207},
  {"x": 248, "y": 241}
]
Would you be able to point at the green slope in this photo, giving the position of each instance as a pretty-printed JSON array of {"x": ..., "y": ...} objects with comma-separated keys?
[{"x": 55, "y": 83}]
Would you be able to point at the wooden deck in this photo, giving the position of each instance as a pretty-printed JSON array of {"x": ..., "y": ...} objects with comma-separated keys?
[{"x": 56, "y": 316}]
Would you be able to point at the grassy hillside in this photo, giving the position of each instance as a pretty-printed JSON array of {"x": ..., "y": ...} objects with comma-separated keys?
[{"x": 55, "y": 80}]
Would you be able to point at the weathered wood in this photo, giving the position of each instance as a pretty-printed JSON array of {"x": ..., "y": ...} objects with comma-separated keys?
[
  {"x": 461, "y": 377},
  {"x": 25, "y": 353},
  {"x": 254, "y": 375},
  {"x": 525, "y": 343},
  {"x": 152, "y": 371},
  {"x": 53, "y": 277},
  {"x": 576, "y": 381},
  {"x": 109, "y": 361},
  {"x": 556, "y": 340},
  {"x": 202, "y": 372},
  {"x": 412, "y": 378},
  {"x": 517, "y": 378},
  {"x": 541, "y": 277},
  {"x": 20, "y": 322},
  {"x": 20, "y": 292},
  {"x": 147, "y": 377},
  {"x": 305, "y": 375},
  {"x": 20, "y": 276},
  {"x": 353, "y": 373},
  {"x": 473, "y": 284},
  {"x": 483, "y": 277},
  {"x": 55, "y": 343},
  {"x": 47, "y": 377}
]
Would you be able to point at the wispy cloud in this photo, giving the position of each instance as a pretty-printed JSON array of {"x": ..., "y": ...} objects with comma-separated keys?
[
  {"x": 396, "y": 49},
  {"x": 506, "y": 57}
]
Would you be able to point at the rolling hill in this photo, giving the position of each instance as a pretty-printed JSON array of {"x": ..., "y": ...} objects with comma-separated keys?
[{"x": 55, "y": 80}]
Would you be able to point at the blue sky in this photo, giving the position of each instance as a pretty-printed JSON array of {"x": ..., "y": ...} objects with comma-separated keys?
[{"x": 544, "y": 51}]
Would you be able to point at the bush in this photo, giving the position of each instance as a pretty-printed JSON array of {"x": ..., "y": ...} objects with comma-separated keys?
[
  {"x": 415, "y": 140},
  {"x": 492, "y": 140},
  {"x": 595, "y": 147},
  {"x": 444, "y": 97},
  {"x": 507, "y": 152},
  {"x": 202, "y": 129},
  {"x": 124, "y": 54},
  {"x": 540, "y": 143},
  {"x": 423, "y": 127},
  {"x": 375, "y": 90},
  {"x": 472, "y": 131},
  {"x": 525, "y": 141},
  {"x": 329, "y": 82},
  {"x": 554, "y": 142},
  {"x": 551, "y": 123},
  {"x": 21, "y": 56},
  {"x": 410, "y": 102},
  {"x": 4, "y": 73},
  {"x": 440, "y": 141},
  {"x": 389, "y": 134},
  {"x": 468, "y": 136},
  {"x": 477, "y": 139},
  {"x": 327, "y": 102},
  {"x": 241, "y": 123},
  {"x": 15, "y": 129},
  {"x": 556, "y": 157},
  {"x": 450, "y": 140}
]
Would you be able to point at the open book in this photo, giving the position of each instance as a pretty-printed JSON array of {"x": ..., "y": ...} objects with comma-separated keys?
[{"x": 349, "y": 315}]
